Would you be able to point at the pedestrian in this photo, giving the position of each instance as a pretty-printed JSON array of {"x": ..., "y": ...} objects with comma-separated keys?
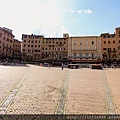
[
  {"x": 48, "y": 65},
  {"x": 62, "y": 66},
  {"x": 7, "y": 61}
]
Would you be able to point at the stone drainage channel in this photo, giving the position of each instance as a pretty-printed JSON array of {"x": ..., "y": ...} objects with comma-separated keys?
[
  {"x": 60, "y": 109},
  {"x": 8, "y": 100},
  {"x": 110, "y": 102}
]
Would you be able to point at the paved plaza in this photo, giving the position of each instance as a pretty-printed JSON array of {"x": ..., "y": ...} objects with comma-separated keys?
[{"x": 35, "y": 89}]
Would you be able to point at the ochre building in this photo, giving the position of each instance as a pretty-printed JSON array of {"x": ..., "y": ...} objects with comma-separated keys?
[
  {"x": 36, "y": 48},
  {"x": 110, "y": 44},
  {"x": 75, "y": 49},
  {"x": 84, "y": 49}
]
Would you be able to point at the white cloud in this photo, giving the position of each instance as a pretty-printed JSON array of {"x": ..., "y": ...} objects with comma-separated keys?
[
  {"x": 82, "y": 11},
  {"x": 79, "y": 11},
  {"x": 72, "y": 11},
  {"x": 88, "y": 11},
  {"x": 62, "y": 29},
  {"x": 35, "y": 16},
  {"x": 52, "y": 32},
  {"x": 25, "y": 16}
]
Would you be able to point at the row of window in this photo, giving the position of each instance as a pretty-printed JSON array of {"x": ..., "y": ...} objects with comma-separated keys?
[
  {"x": 109, "y": 56},
  {"x": 10, "y": 42},
  {"x": 8, "y": 34},
  {"x": 52, "y": 48},
  {"x": 37, "y": 55},
  {"x": 31, "y": 41},
  {"x": 17, "y": 51},
  {"x": 108, "y": 36},
  {"x": 6, "y": 54},
  {"x": 31, "y": 36},
  {"x": 6, "y": 45},
  {"x": 85, "y": 48},
  {"x": 17, "y": 45},
  {"x": 31, "y": 45},
  {"x": 7, "y": 50},
  {"x": 55, "y": 39},
  {"x": 55, "y": 53},
  {"x": 54, "y": 42},
  {"x": 38, "y": 37},
  {"x": 86, "y": 58},
  {"x": 52, "y": 55},
  {"x": 7, "y": 39},
  {"x": 47, "y": 41},
  {"x": 85, "y": 55},
  {"x": 49, "y": 49},
  {"x": 86, "y": 42},
  {"x": 109, "y": 49},
  {"x": 29, "y": 50},
  {"x": 111, "y": 41}
]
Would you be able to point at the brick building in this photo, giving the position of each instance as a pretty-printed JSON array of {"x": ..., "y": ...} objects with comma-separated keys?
[
  {"x": 37, "y": 48},
  {"x": 75, "y": 49},
  {"x": 6, "y": 43},
  {"x": 17, "y": 49},
  {"x": 10, "y": 48},
  {"x": 111, "y": 47}
]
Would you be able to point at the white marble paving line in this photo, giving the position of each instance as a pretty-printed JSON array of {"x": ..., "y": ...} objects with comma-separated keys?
[
  {"x": 61, "y": 105},
  {"x": 12, "y": 94},
  {"x": 110, "y": 103}
]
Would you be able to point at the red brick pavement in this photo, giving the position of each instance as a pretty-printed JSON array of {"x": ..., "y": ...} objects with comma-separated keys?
[
  {"x": 9, "y": 77},
  {"x": 85, "y": 92},
  {"x": 113, "y": 79},
  {"x": 40, "y": 92}
]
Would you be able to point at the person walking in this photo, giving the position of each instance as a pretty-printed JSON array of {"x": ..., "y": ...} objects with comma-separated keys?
[
  {"x": 62, "y": 66},
  {"x": 48, "y": 65}
]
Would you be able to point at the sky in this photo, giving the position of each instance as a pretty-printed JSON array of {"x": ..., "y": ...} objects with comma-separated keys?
[{"x": 52, "y": 18}]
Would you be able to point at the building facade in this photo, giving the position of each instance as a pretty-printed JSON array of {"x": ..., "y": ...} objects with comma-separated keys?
[
  {"x": 111, "y": 47},
  {"x": 84, "y": 49},
  {"x": 37, "y": 48},
  {"x": 6, "y": 43},
  {"x": 17, "y": 49},
  {"x": 76, "y": 49},
  {"x": 31, "y": 47}
]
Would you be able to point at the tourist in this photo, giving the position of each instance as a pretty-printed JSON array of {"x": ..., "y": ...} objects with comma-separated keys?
[
  {"x": 62, "y": 66},
  {"x": 48, "y": 65}
]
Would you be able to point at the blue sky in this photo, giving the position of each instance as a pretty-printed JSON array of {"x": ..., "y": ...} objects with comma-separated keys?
[{"x": 52, "y": 18}]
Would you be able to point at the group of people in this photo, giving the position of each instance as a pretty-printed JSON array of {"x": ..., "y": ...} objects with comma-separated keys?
[
  {"x": 61, "y": 65},
  {"x": 106, "y": 66}
]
